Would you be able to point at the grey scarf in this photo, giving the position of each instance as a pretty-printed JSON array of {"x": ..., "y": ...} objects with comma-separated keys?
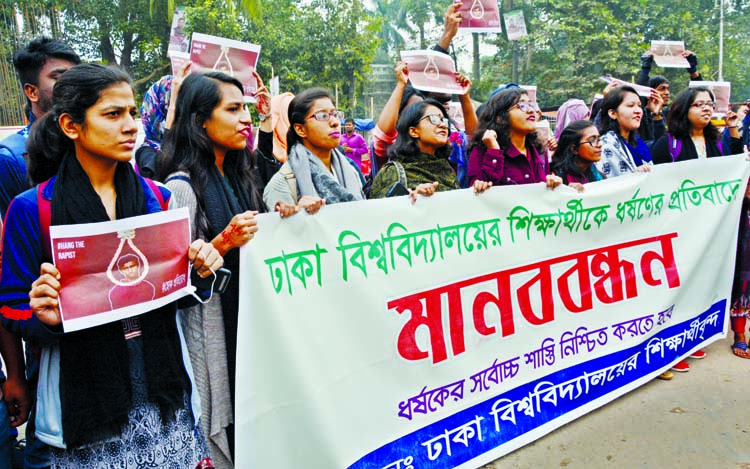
[{"x": 314, "y": 179}]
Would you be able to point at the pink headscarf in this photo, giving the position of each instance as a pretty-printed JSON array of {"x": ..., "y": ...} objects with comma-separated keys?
[
  {"x": 280, "y": 122},
  {"x": 571, "y": 110}
]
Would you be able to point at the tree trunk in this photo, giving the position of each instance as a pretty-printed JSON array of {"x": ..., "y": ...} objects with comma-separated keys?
[{"x": 475, "y": 55}]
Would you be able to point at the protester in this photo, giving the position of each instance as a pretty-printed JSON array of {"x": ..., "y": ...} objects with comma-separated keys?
[
  {"x": 740, "y": 309},
  {"x": 578, "y": 149},
  {"x": 384, "y": 134},
  {"x": 353, "y": 144},
  {"x": 652, "y": 127},
  {"x": 505, "y": 149},
  {"x": 157, "y": 115},
  {"x": 280, "y": 124},
  {"x": 691, "y": 133},
  {"x": 570, "y": 111},
  {"x": 38, "y": 64},
  {"x": 107, "y": 400},
  {"x": 419, "y": 158},
  {"x": 620, "y": 117},
  {"x": 209, "y": 169},
  {"x": 316, "y": 172}
]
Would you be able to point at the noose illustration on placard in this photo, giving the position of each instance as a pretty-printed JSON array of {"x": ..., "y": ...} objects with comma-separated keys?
[
  {"x": 477, "y": 9},
  {"x": 431, "y": 70},
  {"x": 223, "y": 64},
  {"x": 127, "y": 237}
]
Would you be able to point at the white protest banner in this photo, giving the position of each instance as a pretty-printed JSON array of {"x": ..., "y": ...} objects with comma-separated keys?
[
  {"x": 480, "y": 16},
  {"x": 119, "y": 269},
  {"x": 235, "y": 58},
  {"x": 722, "y": 91},
  {"x": 515, "y": 25},
  {"x": 644, "y": 91},
  {"x": 430, "y": 70},
  {"x": 668, "y": 54},
  {"x": 447, "y": 333}
]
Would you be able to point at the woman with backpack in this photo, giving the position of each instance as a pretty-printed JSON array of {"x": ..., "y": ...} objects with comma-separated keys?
[
  {"x": 208, "y": 167},
  {"x": 419, "y": 160},
  {"x": 691, "y": 134},
  {"x": 316, "y": 172},
  {"x": 119, "y": 394}
]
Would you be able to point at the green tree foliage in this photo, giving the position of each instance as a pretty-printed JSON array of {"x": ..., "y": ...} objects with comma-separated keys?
[{"x": 572, "y": 43}]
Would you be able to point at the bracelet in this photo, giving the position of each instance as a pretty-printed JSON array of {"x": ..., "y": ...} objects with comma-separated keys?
[
  {"x": 731, "y": 127},
  {"x": 263, "y": 117}
]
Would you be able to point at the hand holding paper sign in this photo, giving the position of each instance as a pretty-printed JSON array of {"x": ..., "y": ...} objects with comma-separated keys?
[
  {"x": 669, "y": 54},
  {"x": 44, "y": 295},
  {"x": 432, "y": 71}
]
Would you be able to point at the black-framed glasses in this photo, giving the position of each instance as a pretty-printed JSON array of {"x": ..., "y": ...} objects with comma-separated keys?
[
  {"x": 436, "y": 119},
  {"x": 323, "y": 116},
  {"x": 702, "y": 104},
  {"x": 526, "y": 107},
  {"x": 594, "y": 142}
]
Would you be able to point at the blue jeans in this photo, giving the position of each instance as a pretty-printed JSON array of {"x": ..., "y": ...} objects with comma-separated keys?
[{"x": 6, "y": 438}]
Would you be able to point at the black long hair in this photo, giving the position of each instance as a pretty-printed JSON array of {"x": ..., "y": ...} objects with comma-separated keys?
[
  {"x": 496, "y": 116},
  {"x": 406, "y": 145},
  {"x": 677, "y": 119},
  {"x": 564, "y": 159},
  {"x": 299, "y": 108},
  {"x": 75, "y": 92},
  {"x": 188, "y": 148},
  {"x": 612, "y": 101}
]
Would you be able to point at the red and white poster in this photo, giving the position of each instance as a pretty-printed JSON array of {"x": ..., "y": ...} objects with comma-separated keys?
[
  {"x": 515, "y": 25},
  {"x": 722, "y": 91},
  {"x": 178, "y": 40},
  {"x": 480, "y": 16},
  {"x": 234, "y": 58},
  {"x": 644, "y": 91},
  {"x": 178, "y": 59},
  {"x": 668, "y": 54},
  {"x": 119, "y": 269},
  {"x": 432, "y": 71}
]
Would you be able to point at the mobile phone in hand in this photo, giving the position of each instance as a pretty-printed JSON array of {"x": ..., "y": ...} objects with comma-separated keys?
[
  {"x": 397, "y": 189},
  {"x": 204, "y": 284}
]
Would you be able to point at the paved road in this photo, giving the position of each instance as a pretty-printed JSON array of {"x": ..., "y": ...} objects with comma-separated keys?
[{"x": 700, "y": 419}]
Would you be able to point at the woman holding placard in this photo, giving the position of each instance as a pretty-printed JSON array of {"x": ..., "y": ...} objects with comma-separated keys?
[
  {"x": 119, "y": 394},
  {"x": 691, "y": 133},
  {"x": 209, "y": 169}
]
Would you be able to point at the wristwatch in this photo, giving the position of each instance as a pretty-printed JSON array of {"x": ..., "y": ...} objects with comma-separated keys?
[{"x": 263, "y": 117}]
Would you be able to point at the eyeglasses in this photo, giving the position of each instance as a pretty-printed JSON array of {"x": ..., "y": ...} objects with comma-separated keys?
[
  {"x": 594, "y": 142},
  {"x": 323, "y": 116},
  {"x": 702, "y": 104},
  {"x": 435, "y": 119},
  {"x": 525, "y": 107}
]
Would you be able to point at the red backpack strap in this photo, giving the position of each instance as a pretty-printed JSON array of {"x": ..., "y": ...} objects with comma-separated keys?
[
  {"x": 45, "y": 219},
  {"x": 157, "y": 192}
]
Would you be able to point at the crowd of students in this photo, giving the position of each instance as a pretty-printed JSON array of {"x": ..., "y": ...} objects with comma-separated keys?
[{"x": 163, "y": 396}]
